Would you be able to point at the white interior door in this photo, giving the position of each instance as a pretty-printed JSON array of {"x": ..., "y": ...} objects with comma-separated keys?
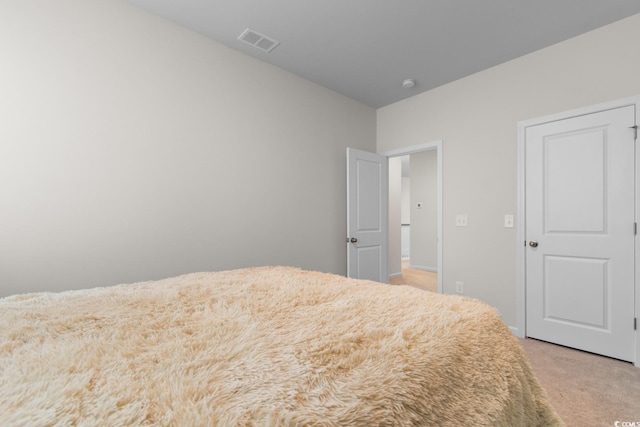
[
  {"x": 580, "y": 220},
  {"x": 367, "y": 210}
]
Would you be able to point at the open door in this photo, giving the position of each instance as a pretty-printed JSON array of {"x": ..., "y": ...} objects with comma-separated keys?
[{"x": 367, "y": 210}]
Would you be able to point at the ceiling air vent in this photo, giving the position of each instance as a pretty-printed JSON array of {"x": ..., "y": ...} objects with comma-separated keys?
[{"x": 258, "y": 40}]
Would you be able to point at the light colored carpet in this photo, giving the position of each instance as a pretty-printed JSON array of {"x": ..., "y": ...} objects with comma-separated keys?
[{"x": 585, "y": 389}]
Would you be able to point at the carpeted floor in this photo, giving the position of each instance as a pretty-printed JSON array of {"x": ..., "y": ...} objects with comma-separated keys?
[{"x": 585, "y": 389}]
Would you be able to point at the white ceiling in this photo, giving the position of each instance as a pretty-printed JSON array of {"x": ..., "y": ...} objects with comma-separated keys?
[{"x": 364, "y": 49}]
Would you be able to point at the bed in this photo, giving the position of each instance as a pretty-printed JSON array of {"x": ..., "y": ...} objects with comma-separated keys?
[{"x": 267, "y": 346}]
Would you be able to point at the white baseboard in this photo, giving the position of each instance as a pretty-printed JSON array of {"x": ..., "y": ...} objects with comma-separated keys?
[
  {"x": 516, "y": 332},
  {"x": 394, "y": 275},
  {"x": 420, "y": 267}
]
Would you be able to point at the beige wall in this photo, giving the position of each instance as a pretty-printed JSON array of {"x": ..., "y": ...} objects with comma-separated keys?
[
  {"x": 133, "y": 149},
  {"x": 424, "y": 221},
  {"x": 476, "y": 118},
  {"x": 405, "y": 215}
]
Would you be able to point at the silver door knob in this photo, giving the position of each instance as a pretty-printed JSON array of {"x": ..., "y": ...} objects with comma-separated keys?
[
  {"x": 533, "y": 244},
  {"x": 354, "y": 240}
]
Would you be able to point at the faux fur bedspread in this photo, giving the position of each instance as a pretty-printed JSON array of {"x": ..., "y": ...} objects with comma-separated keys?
[{"x": 265, "y": 346}]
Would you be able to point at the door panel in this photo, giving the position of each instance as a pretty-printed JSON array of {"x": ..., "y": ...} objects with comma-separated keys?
[
  {"x": 581, "y": 281},
  {"x": 575, "y": 194},
  {"x": 367, "y": 210},
  {"x": 368, "y": 179},
  {"x": 580, "y": 210},
  {"x": 369, "y": 261}
]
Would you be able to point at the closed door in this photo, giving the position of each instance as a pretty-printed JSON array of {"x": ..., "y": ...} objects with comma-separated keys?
[
  {"x": 580, "y": 232},
  {"x": 367, "y": 210}
]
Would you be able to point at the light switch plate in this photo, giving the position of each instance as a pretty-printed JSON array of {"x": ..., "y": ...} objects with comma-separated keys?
[{"x": 462, "y": 220}]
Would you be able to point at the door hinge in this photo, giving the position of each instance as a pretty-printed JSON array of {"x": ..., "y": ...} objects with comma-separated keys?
[
  {"x": 635, "y": 323},
  {"x": 635, "y": 129},
  {"x": 635, "y": 228}
]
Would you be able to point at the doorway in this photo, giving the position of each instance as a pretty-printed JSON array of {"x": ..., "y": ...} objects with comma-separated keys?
[{"x": 415, "y": 216}]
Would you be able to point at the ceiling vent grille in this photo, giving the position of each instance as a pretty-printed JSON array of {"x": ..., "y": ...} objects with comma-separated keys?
[{"x": 258, "y": 40}]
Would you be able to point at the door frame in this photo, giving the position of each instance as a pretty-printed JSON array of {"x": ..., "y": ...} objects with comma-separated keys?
[
  {"x": 521, "y": 305},
  {"x": 433, "y": 145}
]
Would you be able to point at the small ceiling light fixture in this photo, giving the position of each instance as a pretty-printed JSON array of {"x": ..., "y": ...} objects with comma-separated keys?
[{"x": 408, "y": 83}]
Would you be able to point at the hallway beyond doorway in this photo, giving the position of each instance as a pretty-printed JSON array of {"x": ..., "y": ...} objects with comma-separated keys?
[{"x": 425, "y": 280}]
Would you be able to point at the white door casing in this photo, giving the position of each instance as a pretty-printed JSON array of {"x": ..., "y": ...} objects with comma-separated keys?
[
  {"x": 367, "y": 211},
  {"x": 579, "y": 207}
]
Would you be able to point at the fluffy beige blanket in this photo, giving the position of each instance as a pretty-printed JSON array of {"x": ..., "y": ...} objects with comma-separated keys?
[{"x": 266, "y": 346}]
